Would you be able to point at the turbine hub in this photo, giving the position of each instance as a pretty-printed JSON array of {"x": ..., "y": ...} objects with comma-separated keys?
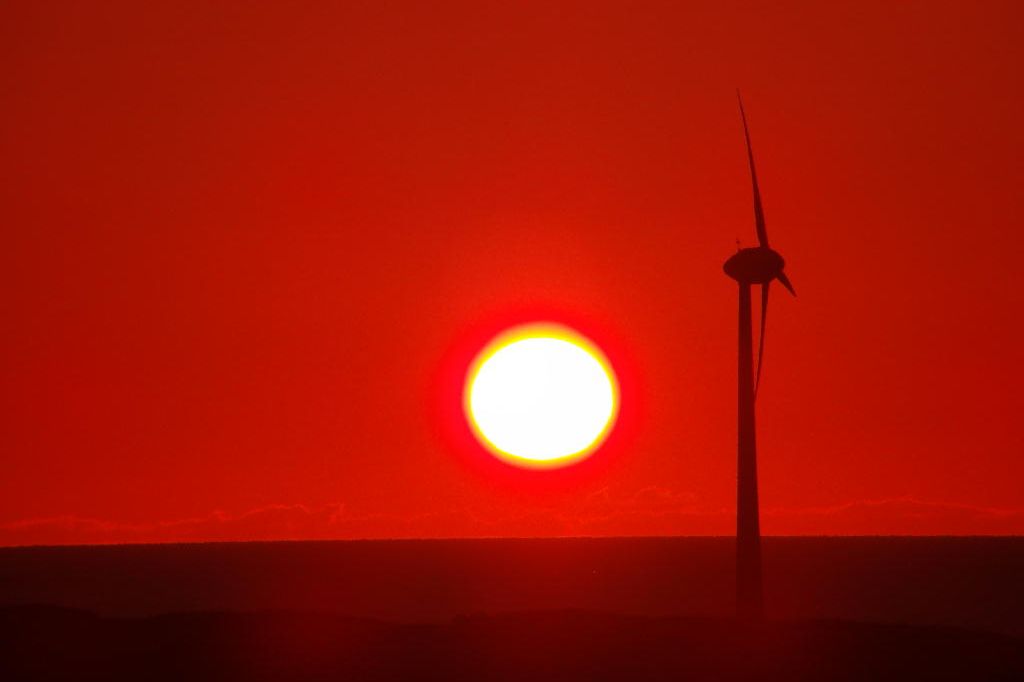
[{"x": 757, "y": 265}]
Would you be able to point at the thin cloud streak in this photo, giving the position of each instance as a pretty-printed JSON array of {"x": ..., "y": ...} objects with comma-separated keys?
[{"x": 658, "y": 511}]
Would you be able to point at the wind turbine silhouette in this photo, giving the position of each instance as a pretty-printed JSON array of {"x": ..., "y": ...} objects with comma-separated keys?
[{"x": 757, "y": 265}]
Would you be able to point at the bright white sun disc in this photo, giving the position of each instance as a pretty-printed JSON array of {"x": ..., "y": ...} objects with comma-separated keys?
[{"x": 541, "y": 395}]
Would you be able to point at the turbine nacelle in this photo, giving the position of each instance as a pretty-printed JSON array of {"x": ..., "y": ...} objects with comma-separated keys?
[{"x": 757, "y": 265}]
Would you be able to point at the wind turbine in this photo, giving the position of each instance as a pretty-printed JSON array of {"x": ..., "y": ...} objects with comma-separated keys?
[{"x": 757, "y": 265}]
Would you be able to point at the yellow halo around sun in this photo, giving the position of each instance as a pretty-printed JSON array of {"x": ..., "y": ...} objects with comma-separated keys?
[{"x": 541, "y": 395}]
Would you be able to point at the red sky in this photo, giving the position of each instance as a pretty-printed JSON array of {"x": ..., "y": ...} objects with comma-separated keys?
[{"x": 248, "y": 248}]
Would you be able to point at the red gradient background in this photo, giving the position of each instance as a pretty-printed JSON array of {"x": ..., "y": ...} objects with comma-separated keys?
[{"x": 249, "y": 248}]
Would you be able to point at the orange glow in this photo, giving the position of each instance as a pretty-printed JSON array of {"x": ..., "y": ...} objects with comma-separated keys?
[
  {"x": 541, "y": 395},
  {"x": 255, "y": 284}
]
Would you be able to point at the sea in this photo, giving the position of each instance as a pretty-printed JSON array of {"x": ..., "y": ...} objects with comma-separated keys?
[{"x": 969, "y": 582}]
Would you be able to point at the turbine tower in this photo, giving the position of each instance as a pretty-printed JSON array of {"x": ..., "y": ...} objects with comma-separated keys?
[{"x": 758, "y": 265}]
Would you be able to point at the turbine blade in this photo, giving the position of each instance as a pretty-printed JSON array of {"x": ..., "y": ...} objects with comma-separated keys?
[
  {"x": 760, "y": 341},
  {"x": 762, "y": 233},
  {"x": 785, "y": 282}
]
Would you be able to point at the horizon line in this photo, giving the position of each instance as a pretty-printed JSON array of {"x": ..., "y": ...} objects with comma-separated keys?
[{"x": 488, "y": 538}]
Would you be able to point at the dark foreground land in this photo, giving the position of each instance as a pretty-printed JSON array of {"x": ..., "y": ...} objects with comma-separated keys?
[
  {"x": 45, "y": 643},
  {"x": 565, "y": 609}
]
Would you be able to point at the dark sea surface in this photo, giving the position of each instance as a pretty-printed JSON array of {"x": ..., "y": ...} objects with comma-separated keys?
[{"x": 975, "y": 583}]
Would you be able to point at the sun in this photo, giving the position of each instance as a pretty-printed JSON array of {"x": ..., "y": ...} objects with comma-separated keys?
[{"x": 541, "y": 395}]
